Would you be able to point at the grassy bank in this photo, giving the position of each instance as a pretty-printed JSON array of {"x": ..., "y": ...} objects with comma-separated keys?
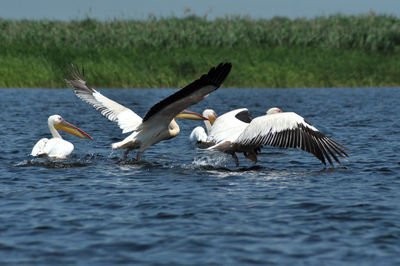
[{"x": 336, "y": 51}]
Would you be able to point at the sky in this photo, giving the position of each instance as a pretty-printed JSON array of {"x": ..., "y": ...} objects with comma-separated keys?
[{"x": 132, "y": 9}]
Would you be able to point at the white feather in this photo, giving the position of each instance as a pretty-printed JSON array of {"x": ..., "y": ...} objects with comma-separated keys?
[
  {"x": 198, "y": 135},
  {"x": 38, "y": 149},
  {"x": 273, "y": 123},
  {"x": 127, "y": 119},
  {"x": 55, "y": 148},
  {"x": 227, "y": 127}
]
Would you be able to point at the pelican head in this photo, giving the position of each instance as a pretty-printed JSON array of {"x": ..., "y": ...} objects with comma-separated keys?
[
  {"x": 274, "y": 110},
  {"x": 186, "y": 114},
  {"x": 58, "y": 122},
  {"x": 211, "y": 115}
]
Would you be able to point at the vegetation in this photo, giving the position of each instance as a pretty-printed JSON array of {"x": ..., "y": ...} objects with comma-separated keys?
[{"x": 169, "y": 52}]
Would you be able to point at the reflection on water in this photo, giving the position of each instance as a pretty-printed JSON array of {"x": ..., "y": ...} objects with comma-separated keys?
[{"x": 53, "y": 163}]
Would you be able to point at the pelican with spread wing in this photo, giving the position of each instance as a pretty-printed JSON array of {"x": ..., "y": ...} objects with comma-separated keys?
[
  {"x": 159, "y": 123},
  {"x": 235, "y": 131},
  {"x": 57, "y": 147}
]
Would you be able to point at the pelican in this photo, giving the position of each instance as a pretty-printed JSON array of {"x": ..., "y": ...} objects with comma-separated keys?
[
  {"x": 159, "y": 123},
  {"x": 235, "y": 131},
  {"x": 56, "y": 147},
  {"x": 199, "y": 135}
]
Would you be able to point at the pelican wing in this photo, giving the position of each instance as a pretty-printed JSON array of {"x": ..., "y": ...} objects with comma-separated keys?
[
  {"x": 58, "y": 148},
  {"x": 127, "y": 119},
  {"x": 198, "y": 135},
  {"x": 289, "y": 130},
  {"x": 167, "y": 109},
  {"x": 39, "y": 147},
  {"x": 229, "y": 126},
  {"x": 54, "y": 147}
]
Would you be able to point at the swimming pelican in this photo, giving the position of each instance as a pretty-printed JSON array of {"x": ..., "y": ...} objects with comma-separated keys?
[
  {"x": 56, "y": 147},
  {"x": 199, "y": 135},
  {"x": 235, "y": 131},
  {"x": 159, "y": 123}
]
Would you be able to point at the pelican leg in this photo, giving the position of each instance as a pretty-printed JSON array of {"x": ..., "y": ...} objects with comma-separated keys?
[
  {"x": 251, "y": 155},
  {"x": 235, "y": 158},
  {"x": 126, "y": 153},
  {"x": 139, "y": 154}
]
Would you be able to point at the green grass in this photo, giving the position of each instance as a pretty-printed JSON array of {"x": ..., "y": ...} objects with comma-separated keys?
[{"x": 335, "y": 51}]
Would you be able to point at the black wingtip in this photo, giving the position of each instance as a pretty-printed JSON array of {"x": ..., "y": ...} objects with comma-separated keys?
[
  {"x": 76, "y": 78},
  {"x": 215, "y": 77},
  {"x": 73, "y": 72}
]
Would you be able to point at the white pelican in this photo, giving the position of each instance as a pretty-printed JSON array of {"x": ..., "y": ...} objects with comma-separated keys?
[
  {"x": 198, "y": 134},
  {"x": 158, "y": 124},
  {"x": 235, "y": 131},
  {"x": 56, "y": 147}
]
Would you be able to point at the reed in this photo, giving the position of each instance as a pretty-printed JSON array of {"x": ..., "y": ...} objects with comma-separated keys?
[{"x": 168, "y": 52}]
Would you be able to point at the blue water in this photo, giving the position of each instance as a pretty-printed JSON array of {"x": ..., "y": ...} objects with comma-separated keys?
[{"x": 182, "y": 206}]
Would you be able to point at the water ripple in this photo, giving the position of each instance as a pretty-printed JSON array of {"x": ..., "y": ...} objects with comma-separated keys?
[{"x": 181, "y": 206}]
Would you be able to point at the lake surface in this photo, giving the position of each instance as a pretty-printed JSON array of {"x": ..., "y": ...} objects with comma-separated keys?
[{"x": 184, "y": 206}]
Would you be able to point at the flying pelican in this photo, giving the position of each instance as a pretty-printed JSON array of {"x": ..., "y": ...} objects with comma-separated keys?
[
  {"x": 235, "y": 131},
  {"x": 159, "y": 123},
  {"x": 56, "y": 147}
]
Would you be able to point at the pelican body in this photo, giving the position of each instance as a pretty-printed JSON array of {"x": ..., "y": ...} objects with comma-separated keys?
[
  {"x": 57, "y": 147},
  {"x": 235, "y": 131},
  {"x": 159, "y": 123},
  {"x": 199, "y": 135}
]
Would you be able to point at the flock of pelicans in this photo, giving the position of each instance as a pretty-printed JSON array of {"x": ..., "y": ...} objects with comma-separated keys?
[{"x": 231, "y": 132}]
